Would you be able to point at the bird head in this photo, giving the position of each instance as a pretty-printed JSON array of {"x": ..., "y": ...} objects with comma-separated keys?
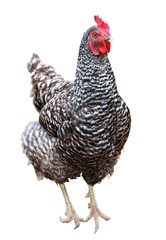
[{"x": 99, "y": 39}]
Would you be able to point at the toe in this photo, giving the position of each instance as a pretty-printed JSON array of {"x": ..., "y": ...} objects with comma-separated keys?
[
  {"x": 63, "y": 220},
  {"x": 96, "y": 224},
  {"x": 105, "y": 217},
  {"x": 76, "y": 225}
]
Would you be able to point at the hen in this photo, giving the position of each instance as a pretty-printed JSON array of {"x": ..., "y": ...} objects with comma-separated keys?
[{"x": 82, "y": 126}]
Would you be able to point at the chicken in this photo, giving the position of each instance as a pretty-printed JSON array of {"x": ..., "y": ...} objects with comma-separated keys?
[{"x": 82, "y": 126}]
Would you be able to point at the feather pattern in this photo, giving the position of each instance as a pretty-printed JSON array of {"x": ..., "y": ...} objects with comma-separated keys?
[
  {"x": 40, "y": 149},
  {"x": 83, "y": 126}
]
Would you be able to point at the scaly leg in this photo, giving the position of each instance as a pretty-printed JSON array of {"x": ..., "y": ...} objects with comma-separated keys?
[
  {"x": 94, "y": 210},
  {"x": 70, "y": 211}
]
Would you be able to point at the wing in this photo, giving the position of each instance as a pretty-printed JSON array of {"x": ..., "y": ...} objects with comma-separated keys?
[{"x": 57, "y": 111}]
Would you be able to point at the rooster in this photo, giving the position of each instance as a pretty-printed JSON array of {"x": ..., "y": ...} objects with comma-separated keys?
[{"x": 82, "y": 126}]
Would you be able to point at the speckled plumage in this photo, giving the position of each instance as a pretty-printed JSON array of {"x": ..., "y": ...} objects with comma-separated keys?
[
  {"x": 40, "y": 148},
  {"x": 82, "y": 126}
]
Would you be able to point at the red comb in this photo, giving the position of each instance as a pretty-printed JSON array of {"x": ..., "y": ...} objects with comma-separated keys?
[{"x": 102, "y": 25}]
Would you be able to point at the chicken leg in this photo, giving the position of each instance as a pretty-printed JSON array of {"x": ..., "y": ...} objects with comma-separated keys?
[
  {"x": 70, "y": 211},
  {"x": 94, "y": 210}
]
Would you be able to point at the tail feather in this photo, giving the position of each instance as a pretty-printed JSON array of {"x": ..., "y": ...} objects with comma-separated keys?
[
  {"x": 46, "y": 83},
  {"x": 32, "y": 65}
]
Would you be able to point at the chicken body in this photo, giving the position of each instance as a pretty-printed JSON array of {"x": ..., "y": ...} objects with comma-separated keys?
[
  {"x": 82, "y": 126},
  {"x": 91, "y": 120}
]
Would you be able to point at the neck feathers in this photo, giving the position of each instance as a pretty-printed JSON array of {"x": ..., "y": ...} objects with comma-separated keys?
[{"x": 95, "y": 80}]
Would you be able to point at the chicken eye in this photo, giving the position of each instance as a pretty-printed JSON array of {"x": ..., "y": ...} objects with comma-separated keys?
[{"x": 95, "y": 35}]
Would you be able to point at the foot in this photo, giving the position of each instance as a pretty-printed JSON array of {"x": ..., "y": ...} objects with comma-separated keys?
[
  {"x": 94, "y": 210},
  {"x": 96, "y": 213},
  {"x": 70, "y": 211},
  {"x": 72, "y": 216}
]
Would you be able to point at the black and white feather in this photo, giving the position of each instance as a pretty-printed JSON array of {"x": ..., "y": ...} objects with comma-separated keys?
[{"x": 82, "y": 126}]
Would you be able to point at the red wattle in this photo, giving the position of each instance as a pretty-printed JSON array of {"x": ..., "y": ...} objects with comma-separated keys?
[
  {"x": 108, "y": 46},
  {"x": 102, "y": 48},
  {"x": 94, "y": 50}
]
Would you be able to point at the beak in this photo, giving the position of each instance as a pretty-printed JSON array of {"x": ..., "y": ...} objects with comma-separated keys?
[{"x": 109, "y": 39}]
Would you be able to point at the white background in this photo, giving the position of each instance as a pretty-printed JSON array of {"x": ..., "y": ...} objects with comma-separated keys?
[{"x": 135, "y": 196}]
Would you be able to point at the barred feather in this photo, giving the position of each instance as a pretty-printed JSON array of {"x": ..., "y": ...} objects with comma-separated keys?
[
  {"x": 40, "y": 149},
  {"x": 83, "y": 126},
  {"x": 46, "y": 82}
]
